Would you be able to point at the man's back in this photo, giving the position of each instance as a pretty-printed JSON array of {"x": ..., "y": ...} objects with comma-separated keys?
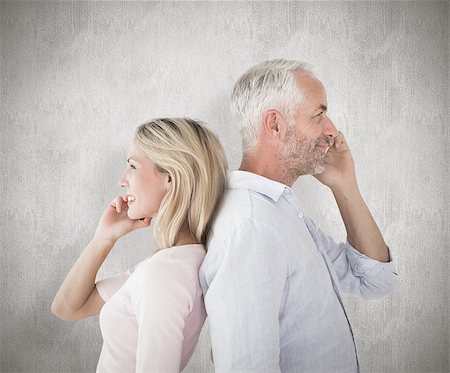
[{"x": 271, "y": 298}]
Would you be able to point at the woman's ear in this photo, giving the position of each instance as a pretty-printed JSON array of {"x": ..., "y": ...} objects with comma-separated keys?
[{"x": 169, "y": 183}]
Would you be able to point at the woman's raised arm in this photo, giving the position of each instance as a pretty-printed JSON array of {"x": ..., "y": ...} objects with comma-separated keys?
[{"x": 78, "y": 297}]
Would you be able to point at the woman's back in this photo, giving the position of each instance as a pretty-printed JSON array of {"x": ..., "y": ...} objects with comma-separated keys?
[{"x": 153, "y": 321}]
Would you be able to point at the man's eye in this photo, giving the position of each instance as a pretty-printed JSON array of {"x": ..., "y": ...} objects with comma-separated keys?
[{"x": 132, "y": 166}]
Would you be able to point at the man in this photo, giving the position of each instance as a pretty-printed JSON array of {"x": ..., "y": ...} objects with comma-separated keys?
[{"x": 272, "y": 280}]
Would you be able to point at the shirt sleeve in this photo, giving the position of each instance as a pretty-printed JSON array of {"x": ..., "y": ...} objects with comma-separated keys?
[
  {"x": 357, "y": 273},
  {"x": 109, "y": 286},
  {"x": 163, "y": 298},
  {"x": 245, "y": 275}
]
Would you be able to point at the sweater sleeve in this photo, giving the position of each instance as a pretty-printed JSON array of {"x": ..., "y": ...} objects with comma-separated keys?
[{"x": 163, "y": 298}]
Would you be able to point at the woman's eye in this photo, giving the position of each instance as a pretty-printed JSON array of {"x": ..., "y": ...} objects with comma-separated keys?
[{"x": 131, "y": 166}]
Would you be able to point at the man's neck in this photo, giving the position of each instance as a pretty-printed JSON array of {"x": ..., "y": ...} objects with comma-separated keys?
[{"x": 258, "y": 164}]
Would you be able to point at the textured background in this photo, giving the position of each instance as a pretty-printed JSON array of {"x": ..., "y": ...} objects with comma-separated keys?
[{"x": 77, "y": 78}]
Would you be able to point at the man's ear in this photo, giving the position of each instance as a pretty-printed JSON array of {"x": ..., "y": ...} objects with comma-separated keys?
[{"x": 274, "y": 125}]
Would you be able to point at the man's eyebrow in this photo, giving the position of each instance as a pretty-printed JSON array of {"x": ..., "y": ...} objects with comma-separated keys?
[{"x": 322, "y": 107}]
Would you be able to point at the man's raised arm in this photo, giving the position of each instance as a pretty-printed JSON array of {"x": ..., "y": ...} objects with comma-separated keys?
[{"x": 362, "y": 231}]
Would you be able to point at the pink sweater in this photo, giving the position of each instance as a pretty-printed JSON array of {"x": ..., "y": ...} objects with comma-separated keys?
[{"x": 153, "y": 315}]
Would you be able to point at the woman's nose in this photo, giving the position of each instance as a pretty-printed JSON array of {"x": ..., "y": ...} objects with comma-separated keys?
[{"x": 123, "y": 181}]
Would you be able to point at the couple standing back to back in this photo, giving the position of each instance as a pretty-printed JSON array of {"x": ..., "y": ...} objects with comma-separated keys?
[{"x": 271, "y": 279}]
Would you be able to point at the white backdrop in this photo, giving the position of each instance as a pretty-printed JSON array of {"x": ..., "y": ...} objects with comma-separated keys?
[{"x": 78, "y": 77}]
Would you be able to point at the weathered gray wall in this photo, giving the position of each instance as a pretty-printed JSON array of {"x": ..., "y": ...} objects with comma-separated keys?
[{"x": 77, "y": 78}]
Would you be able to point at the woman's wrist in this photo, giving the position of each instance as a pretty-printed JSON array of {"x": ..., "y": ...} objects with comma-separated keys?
[{"x": 103, "y": 243}]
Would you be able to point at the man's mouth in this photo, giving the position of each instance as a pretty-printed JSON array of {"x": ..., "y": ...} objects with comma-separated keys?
[
  {"x": 323, "y": 145},
  {"x": 326, "y": 143}
]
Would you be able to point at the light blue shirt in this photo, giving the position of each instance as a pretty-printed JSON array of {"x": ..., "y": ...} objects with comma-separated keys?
[{"x": 272, "y": 283}]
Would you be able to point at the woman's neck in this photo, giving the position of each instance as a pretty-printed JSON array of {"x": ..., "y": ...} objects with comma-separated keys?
[{"x": 185, "y": 237}]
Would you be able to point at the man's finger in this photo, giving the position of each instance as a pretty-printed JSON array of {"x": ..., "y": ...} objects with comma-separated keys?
[{"x": 339, "y": 140}]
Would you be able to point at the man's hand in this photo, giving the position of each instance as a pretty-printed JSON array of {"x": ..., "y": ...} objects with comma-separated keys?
[
  {"x": 339, "y": 166},
  {"x": 362, "y": 232}
]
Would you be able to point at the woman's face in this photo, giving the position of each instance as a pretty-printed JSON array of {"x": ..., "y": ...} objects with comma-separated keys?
[{"x": 146, "y": 185}]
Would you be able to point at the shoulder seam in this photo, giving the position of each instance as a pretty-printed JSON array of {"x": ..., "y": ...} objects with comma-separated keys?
[{"x": 251, "y": 204}]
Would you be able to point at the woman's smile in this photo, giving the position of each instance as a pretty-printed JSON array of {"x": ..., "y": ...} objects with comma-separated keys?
[{"x": 129, "y": 198}]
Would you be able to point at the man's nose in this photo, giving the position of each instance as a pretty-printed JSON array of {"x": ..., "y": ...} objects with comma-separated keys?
[{"x": 330, "y": 129}]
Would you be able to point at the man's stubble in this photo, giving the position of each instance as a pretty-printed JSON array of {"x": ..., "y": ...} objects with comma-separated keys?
[{"x": 300, "y": 156}]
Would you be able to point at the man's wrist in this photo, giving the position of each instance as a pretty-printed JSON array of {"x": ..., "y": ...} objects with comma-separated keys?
[{"x": 346, "y": 188}]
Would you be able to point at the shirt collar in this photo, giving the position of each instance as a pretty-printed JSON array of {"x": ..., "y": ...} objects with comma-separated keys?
[{"x": 260, "y": 184}]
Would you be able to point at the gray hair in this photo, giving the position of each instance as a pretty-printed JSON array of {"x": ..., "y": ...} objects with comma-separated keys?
[{"x": 268, "y": 85}]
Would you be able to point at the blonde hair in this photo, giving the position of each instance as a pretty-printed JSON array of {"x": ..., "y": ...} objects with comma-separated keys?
[{"x": 196, "y": 163}]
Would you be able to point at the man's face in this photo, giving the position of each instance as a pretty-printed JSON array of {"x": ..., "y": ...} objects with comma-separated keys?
[{"x": 311, "y": 134}]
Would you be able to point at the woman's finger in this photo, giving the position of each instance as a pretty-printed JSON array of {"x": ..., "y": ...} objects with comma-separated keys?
[
  {"x": 145, "y": 222},
  {"x": 118, "y": 204},
  {"x": 114, "y": 203}
]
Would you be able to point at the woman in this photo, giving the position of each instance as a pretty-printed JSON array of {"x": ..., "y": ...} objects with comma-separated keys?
[{"x": 151, "y": 317}]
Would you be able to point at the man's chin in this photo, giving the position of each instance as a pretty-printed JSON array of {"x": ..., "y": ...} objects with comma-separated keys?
[{"x": 319, "y": 169}]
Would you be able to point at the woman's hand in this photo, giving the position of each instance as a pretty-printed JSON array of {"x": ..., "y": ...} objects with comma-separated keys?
[
  {"x": 115, "y": 223},
  {"x": 78, "y": 296}
]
